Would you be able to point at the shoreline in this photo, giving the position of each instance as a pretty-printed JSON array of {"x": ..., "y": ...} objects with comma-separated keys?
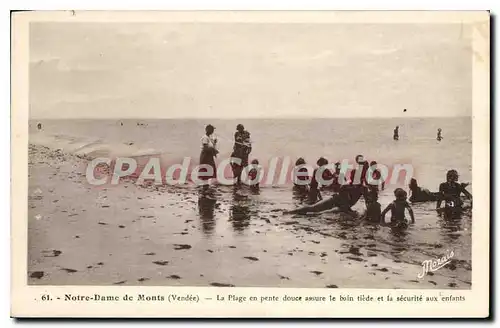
[{"x": 80, "y": 234}]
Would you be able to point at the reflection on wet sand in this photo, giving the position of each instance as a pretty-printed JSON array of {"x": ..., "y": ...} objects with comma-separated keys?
[
  {"x": 206, "y": 208},
  {"x": 399, "y": 235},
  {"x": 242, "y": 208},
  {"x": 239, "y": 216},
  {"x": 379, "y": 248}
]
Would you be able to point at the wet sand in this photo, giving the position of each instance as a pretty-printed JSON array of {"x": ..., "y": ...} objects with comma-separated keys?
[{"x": 128, "y": 235}]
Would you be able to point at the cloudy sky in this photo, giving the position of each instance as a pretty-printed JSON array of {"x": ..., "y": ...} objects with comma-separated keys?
[{"x": 163, "y": 70}]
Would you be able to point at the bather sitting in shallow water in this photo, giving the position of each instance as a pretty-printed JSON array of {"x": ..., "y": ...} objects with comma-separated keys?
[
  {"x": 342, "y": 202},
  {"x": 397, "y": 209},
  {"x": 450, "y": 192},
  {"x": 419, "y": 194}
]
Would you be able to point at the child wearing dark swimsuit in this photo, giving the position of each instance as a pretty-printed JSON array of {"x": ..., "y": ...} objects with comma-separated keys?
[
  {"x": 397, "y": 208},
  {"x": 301, "y": 174},
  {"x": 419, "y": 194},
  {"x": 450, "y": 192},
  {"x": 373, "y": 208}
]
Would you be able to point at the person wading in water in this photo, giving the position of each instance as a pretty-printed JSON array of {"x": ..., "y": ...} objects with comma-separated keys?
[
  {"x": 207, "y": 156},
  {"x": 396, "y": 133},
  {"x": 241, "y": 150},
  {"x": 439, "y": 136},
  {"x": 347, "y": 197}
]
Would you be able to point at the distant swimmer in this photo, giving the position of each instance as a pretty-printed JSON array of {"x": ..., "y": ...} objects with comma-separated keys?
[
  {"x": 419, "y": 194},
  {"x": 397, "y": 208},
  {"x": 396, "y": 133},
  {"x": 315, "y": 185},
  {"x": 253, "y": 174},
  {"x": 341, "y": 202},
  {"x": 450, "y": 192},
  {"x": 439, "y": 136},
  {"x": 39, "y": 126}
]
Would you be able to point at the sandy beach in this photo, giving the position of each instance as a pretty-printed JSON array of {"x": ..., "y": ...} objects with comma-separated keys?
[{"x": 128, "y": 235}]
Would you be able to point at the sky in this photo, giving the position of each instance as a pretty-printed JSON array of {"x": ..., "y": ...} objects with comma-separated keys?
[{"x": 248, "y": 70}]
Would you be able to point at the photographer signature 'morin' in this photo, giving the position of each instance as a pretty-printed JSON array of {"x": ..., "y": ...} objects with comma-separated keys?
[{"x": 435, "y": 264}]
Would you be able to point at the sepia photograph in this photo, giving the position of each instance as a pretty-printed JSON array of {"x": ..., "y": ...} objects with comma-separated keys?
[{"x": 245, "y": 153}]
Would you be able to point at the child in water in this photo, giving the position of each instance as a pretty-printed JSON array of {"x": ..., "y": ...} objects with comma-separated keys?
[
  {"x": 241, "y": 150},
  {"x": 397, "y": 208},
  {"x": 451, "y": 190},
  {"x": 315, "y": 185},
  {"x": 373, "y": 208},
  {"x": 376, "y": 177},
  {"x": 396, "y": 133},
  {"x": 300, "y": 180},
  {"x": 358, "y": 174}
]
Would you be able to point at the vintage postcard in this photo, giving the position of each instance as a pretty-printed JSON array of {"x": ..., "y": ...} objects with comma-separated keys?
[{"x": 250, "y": 164}]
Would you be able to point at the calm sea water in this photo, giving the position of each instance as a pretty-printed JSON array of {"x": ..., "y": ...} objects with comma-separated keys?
[{"x": 335, "y": 139}]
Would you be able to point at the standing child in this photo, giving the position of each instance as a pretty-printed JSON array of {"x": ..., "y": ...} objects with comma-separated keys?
[
  {"x": 253, "y": 175},
  {"x": 450, "y": 192},
  {"x": 397, "y": 208}
]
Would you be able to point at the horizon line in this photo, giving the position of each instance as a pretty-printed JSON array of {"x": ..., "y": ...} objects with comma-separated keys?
[{"x": 242, "y": 118}]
